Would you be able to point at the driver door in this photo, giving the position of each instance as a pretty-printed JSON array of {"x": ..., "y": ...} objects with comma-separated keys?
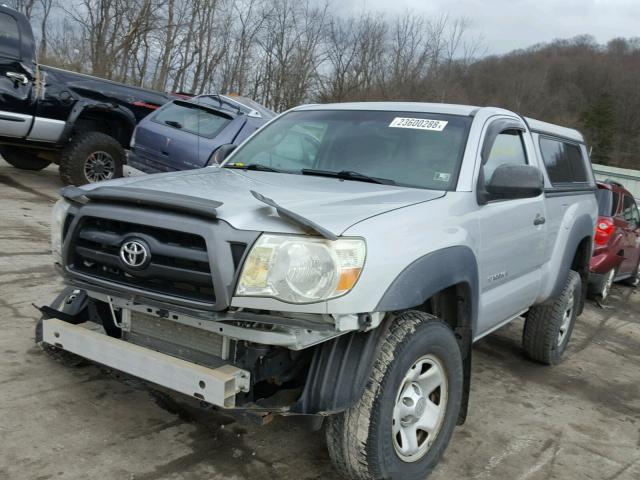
[
  {"x": 512, "y": 234},
  {"x": 16, "y": 103}
]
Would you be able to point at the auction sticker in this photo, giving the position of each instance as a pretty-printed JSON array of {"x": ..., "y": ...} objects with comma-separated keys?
[{"x": 419, "y": 123}]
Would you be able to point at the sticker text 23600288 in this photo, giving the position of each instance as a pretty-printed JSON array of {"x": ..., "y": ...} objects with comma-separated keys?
[{"x": 419, "y": 123}]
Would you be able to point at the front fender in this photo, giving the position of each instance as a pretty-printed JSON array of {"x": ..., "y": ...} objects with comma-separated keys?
[{"x": 430, "y": 274}]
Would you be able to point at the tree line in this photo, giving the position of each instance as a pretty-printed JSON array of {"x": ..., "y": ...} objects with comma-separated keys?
[{"x": 286, "y": 52}]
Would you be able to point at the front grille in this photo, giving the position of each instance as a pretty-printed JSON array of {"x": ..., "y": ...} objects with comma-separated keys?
[{"x": 178, "y": 265}]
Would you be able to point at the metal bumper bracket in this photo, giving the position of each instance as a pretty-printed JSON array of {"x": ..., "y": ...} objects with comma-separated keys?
[{"x": 217, "y": 386}]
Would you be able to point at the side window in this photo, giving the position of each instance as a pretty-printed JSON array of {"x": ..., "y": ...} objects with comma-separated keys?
[
  {"x": 508, "y": 148},
  {"x": 563, "y": 161},
  {"x": 629, "y": 210},
  {"x": 615, "y": 201},
  {"x": 9, "y": 36}
]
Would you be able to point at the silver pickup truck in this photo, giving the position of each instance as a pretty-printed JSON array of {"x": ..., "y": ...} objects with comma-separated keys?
[{"x": 340, "y": 263}]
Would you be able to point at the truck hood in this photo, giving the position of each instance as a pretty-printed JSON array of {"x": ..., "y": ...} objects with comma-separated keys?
[{"x": 331, "y": 203}]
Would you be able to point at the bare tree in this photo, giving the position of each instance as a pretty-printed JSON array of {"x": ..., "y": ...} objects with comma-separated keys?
[
  {"x": 45, "y": 7},
  {"x": 23, "y": 6}
]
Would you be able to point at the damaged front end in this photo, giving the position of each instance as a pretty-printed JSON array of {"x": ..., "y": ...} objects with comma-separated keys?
[{"x": 252, "y": 361}]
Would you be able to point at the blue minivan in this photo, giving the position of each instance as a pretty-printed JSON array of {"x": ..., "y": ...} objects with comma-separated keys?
[{"x": 186, "y": 134}]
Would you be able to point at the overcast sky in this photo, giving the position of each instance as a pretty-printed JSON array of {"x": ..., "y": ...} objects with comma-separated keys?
[{"x": 506, "y": 25}]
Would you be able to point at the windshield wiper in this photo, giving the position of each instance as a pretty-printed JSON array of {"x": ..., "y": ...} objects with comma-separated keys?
[
  {"x": 173, "y": 123},
  {"x": 253, "y": 166},
  {"x": 347, "y": 175}
]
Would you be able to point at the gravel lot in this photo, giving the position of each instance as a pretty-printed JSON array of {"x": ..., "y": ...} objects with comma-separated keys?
[{"x": 580, "y": 420}]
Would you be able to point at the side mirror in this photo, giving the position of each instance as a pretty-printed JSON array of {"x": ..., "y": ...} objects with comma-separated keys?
[
  {"x": 514, "y": 181},
  {"x": 219, "y": 155}
]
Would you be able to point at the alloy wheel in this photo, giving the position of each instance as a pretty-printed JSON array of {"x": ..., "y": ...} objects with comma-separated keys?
[{"x": 99, "y": 166}]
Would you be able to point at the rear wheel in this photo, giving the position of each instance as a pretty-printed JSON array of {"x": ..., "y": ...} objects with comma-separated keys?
[
  {"x": 548, "y": 327},
  {"x": 600, "y": 289},
  {"x": 634, "y": 279},
  {"x": 24, "y": 159},
  {"x": 401, "y": 426},
  {"x": 91, "y": 157}
]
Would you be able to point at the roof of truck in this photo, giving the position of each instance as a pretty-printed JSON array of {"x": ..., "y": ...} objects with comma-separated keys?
[{"x": 447, "y": 109}]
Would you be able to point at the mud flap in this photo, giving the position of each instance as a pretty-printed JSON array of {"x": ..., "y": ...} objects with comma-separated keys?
[{"x": 464, "y": 335}]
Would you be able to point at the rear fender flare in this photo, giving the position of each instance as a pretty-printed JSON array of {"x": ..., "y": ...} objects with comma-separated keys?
[
  {"x": 582, "y": 228},
  {"x": 84, "y": 106}
]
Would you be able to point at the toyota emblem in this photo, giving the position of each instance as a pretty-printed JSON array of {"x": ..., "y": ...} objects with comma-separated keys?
[{"x": 134, "y": 253}]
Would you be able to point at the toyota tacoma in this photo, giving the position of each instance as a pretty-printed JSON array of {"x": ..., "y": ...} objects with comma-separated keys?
[{"x": 345, "y": 277}]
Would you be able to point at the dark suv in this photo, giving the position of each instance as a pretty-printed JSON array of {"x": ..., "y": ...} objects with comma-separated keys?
[
  {"x": 617, "y": 240},
  {"x": 183, "y": 135}
]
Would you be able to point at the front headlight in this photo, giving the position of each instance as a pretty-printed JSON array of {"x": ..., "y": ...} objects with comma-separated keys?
[
  {"x": 300, "y": 269},
  {"x": 58, "y": 216}
]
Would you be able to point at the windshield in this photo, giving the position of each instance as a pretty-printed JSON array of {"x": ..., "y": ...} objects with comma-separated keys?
[{"x": 421, "y": 150}]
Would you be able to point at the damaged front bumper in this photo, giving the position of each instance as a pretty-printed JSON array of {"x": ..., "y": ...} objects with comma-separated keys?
[
  {"x": 183, "y": 351},
  {"x": 217, "y": 386}
]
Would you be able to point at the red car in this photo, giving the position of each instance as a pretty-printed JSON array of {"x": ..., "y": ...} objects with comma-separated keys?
[{"x": 616, "y": 250}]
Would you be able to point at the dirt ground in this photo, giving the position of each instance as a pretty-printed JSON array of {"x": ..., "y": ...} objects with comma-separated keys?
[{"x": 580, "y": 420}]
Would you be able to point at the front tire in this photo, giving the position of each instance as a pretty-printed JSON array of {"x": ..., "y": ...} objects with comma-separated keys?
[
  {"x": 91, "y": 157},
  {"x": 548, "y": 327},
  {"x": 401, "y": 426},
  {"x": 24, "y": 159}
]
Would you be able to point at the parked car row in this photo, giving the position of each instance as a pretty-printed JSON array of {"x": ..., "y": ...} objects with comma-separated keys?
[{"x": 85, "y": 123}]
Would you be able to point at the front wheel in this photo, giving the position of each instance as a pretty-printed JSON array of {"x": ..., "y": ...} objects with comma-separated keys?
[
  {"x": 24, "y": 159},
  {"x": 91, "y": 157},
  {"x": 401, "y": 426}
]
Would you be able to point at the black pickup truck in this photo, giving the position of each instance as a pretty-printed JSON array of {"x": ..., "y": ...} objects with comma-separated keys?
[{"x": 49, "y": 115}]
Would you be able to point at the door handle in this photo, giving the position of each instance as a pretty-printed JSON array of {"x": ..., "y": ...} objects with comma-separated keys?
[
  {"x": 18, "y": 77},
  {"x": 539, "y": 220}
]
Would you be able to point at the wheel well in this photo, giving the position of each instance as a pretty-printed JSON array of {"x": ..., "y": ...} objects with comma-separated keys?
[
  {"x": 111, "y": 124},
  {"x": 454, "y": 305},
  {"x": 580, "y": 264}
]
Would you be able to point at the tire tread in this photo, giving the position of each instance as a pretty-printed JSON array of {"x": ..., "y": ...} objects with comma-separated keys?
[
  {"x": 72, "y": 161},
  {"x": 347, "y": 432},
  {"x": 538, "y": 338}
]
